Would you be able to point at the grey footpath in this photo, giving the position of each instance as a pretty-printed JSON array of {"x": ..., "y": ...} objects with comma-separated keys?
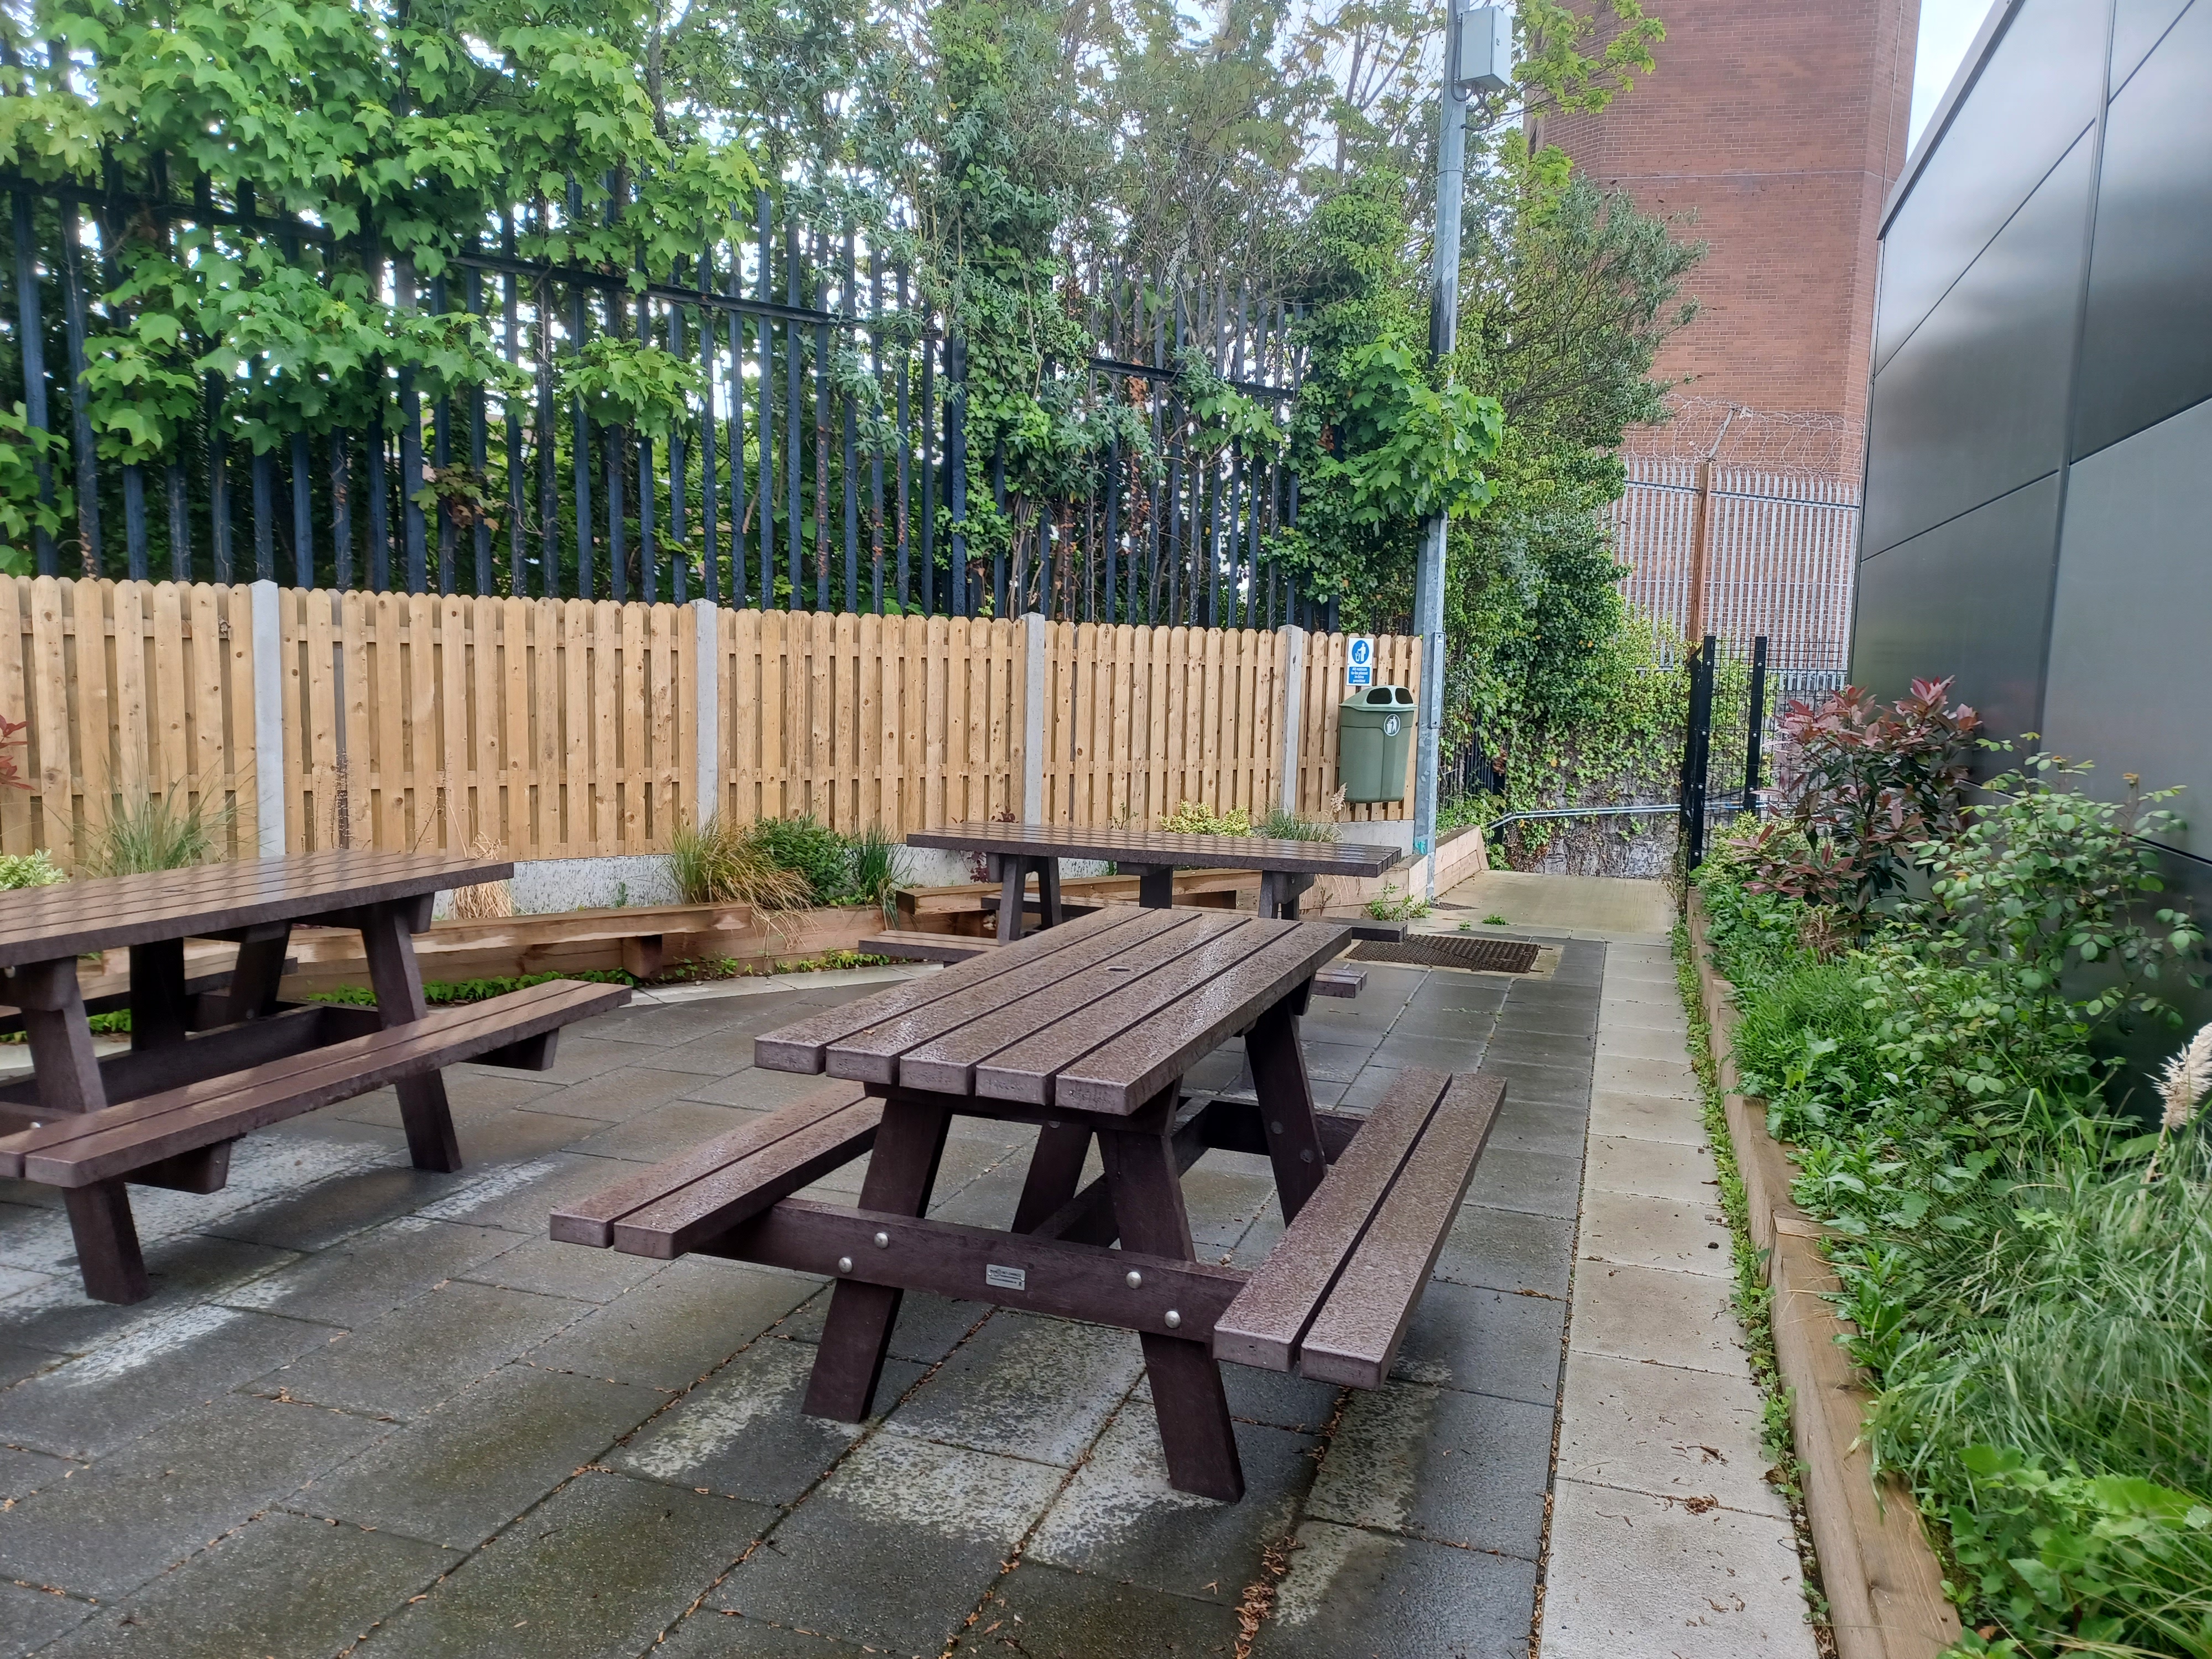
[
  {"x": 1666, "y": 1537},
  {"x": 371, "y": 1410}
]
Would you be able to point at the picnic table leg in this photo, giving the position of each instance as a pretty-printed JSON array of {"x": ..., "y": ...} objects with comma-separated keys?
[
  {"x": 159, "y": 1015},
  {"x": 68, "y": 1075},
  {"x": 1013, "y": 877},
  {"x": 1286, "y": 1107},
  {"x": 901, "y": 1168},
  {"x": 255, "y": 976},
  {"x": 1271, "y": 893},
  {"x": 396, "y": 979},
  {"x": 1048, "y": 892},
  {"x": 1054, "y": 1169},
  {"x": 1294, "y": 887},
  {"x": 1187, "y": 1397},
  {"x": 1155, "y": 885}
]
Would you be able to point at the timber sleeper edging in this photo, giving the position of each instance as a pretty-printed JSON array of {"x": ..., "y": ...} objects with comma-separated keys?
[{"x": 1883, "y": 1581}]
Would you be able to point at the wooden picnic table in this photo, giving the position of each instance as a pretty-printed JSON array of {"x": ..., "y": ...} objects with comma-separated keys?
[
  {"x": 213, "y": 1057},
  {"x": 1085, "y": 1029},
  {"x": 1286, "y": 868}
]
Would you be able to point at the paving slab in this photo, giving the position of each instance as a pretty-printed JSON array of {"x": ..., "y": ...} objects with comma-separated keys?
[
  {"x": 1507, "y": 1250},
  {"x": 1119, "y": 1518},
  {"x": 281, "y": 1584},
  {"x": 1025, "y": 1386},
  {"x": 654, "y": 1136},
  {"x": 1665, "y": 1431},
  {"x": 1513, "y": 1177},
  {"x": 107, "y": 1529},
  {"x": 1658, "y": 1315},
  {"x": 1633, "y": 1074},
  {"x": 597, "y": 1571},
  {"x": 678, "y": 1325},
  {"x": 30, "y": 1619},
  {"x": 1352, "y": 1594},
  {"x": 425, "y": 1353},
  {"x": 742, "y": 1433},
  {"x": 359, "y": 1279},
  {"x": 897, "y": 1547},
  {"x": 1458, "y": 1469},
  {"x": 1629, "y": 1229},
  {"x": 460, "y": 1473},
  {"x": 1044, "y": 1611},
  {"x": 563, "y": 1270},
  {"x": 717, "y": 1633},
  {"x": 1487, "y": 1342},
  {"x": 1642, "y": 1116},
  {"x": 1630, "y": 1573},
  {"x": 1655, "y": 1168}
]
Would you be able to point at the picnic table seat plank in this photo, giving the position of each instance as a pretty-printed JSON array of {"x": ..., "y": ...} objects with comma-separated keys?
[
  {"x": 1183, "y": 947},
  {"x": 1262, "y": 1327},
  {"x": 875, "y": 1053},
  {"x": 800, "y": 1046},
  {"x": 707, "y": 1209},
  {"x": 1120, "y": 1074},
  {"x": 1355, "y": 1336},
  {"x": 914, "y": 945},
  {"x": 92, "y": 1146},
  {"x": 591, "y": 1220}
]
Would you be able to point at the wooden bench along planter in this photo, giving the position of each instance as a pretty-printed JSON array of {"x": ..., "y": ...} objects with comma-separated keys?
[
  {"x": 1884, "y": 1582},
  {"x": 1085, "y": 1029},
  {"x": 971, "y": 908}
]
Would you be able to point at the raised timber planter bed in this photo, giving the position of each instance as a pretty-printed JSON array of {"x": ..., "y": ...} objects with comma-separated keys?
[
  {"x": 1884, "y": 1585},
  {"x": 643, "y": 938}
]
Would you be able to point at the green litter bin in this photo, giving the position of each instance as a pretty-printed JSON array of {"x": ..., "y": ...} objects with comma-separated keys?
[{"x": 1375, "y": 734}]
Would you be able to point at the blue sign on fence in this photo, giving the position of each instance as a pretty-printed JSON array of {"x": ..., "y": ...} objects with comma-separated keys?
[{"x": 1359, "y": 670}]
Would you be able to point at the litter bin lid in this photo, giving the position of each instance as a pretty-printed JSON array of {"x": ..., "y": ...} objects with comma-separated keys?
[{"x": 1380, "y": 696}]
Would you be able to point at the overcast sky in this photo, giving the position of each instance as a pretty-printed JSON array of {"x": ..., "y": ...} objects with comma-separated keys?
[{"x": 1947, "y": 30}]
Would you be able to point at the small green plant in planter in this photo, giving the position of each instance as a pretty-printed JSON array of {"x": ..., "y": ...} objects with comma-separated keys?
[
  {"x": 1194, "y": 818},
  {"x": 1392, "y": 905},
  {"x": 1494, "y": 920},
  {"x": 29, "y": 870},
  {"x": 1279, "y": 825},
  {"x": 721, "y": 863}
]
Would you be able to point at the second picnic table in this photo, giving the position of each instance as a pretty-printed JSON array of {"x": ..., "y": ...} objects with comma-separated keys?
[
  {"x": 1086, "y": 1030},
  {"x": 1286, "y": 868}
]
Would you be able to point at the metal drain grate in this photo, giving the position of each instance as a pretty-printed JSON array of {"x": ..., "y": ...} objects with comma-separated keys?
[{"x": 1484, "y": 956}]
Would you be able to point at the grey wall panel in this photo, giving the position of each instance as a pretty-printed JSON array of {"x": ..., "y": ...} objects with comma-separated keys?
[
  {"x": 2039, "y": 90},
  {"x": 1968, "y": 600},
  {"x": 2147, "y": 344},
  {"x": 2136, "y": 25},
  {"x": 1974, "y": 405},
  {"x": 2134, "y": 597}
]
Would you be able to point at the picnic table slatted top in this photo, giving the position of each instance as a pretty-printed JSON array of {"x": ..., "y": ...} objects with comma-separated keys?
[
  {"x": 1159, "y": 848},
  {"x": 1096, "y": 1015},
  {"x": 42, "y": 924}
]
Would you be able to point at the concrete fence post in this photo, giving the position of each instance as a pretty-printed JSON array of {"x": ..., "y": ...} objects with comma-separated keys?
[
  {"x": 268, "y": 721},
  {"x": 1294, "y": 692},
  {"x": 707, "y": 715},
  {"x": 1034, "y": 635}
]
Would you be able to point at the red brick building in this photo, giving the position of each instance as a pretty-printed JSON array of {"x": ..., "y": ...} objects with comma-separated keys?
[{"x": 1775, "y": 129}]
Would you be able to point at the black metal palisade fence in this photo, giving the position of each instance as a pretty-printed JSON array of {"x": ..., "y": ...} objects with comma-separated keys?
[{"x": 825, "y": 467}]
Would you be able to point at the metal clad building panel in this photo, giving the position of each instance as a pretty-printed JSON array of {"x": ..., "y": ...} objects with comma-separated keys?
[
  {"x": 1997, "y": 150},
  {"x": 2146, "y": 341},
  {"x": 1974, "y": 405},
  {"x": 2133, "y": 595},
  {"x": 1967, "y": 598}
]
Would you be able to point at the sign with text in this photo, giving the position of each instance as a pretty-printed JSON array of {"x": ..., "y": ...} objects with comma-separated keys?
[{"x": 1360, "y": 664}]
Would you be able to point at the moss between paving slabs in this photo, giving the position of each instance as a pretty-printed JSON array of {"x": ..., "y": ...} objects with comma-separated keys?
[{"x": 1753, "y": 1298}]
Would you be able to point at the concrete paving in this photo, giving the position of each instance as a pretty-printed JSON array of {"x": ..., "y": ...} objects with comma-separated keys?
[
  {"x": 372, "y": 1410},
  {"x": 1666, "y": 1537}
]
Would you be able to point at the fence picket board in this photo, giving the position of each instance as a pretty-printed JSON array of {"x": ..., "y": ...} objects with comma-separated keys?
[
  {"x": 134, "y": 749},
  {"x": 17, "y": 834}
]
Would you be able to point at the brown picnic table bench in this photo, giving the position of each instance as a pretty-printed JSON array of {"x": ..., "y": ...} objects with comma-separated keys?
[
  {"x": 213, "y": 1057},
  {"x": 1085, "y": 1029},
  {"x": 1286, "y": 868}
]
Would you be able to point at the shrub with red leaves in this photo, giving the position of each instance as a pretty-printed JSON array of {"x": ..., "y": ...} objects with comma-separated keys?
[{"x": 1864, "y": 783}]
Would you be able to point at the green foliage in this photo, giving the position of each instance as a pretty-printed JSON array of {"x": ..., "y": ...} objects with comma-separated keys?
[
  {"x": 874, "y": 878},
  {"x": 1392, "y": 904},
  {"x": 443, "y": 992},
  {"x": 1192, "y": 817},
  {"x": 721, "y": 862},
  {"x": 1280, "y": 825},
  {"x": 29, "y": 870},
  {"x": 631, "y": 383},
  {"x": 22, "y": 448},
  {"x": 172, "y": 831}
]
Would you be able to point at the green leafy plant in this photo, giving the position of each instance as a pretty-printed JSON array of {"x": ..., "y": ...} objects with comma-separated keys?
[
  {"x": 723, "y": 863},
  {"x": 874, "y": 879},
  {"x": 632, "y": 384},
  {"x": 1280, "y": 825},
  {"x": 25, "y": 451},
  {"x": 29, "y": 870},
  {"x": 1392, "y": 904},
  {"x": 1494, "y": 920},
  {"x": 1194, "y": 817}
]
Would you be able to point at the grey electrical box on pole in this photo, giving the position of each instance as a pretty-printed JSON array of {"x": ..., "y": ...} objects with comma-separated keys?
[{"x": 1485, "y": 47}]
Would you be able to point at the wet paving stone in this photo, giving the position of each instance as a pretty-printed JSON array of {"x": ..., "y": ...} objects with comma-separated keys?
[
  {"x": 897, "y": 1547},
  {"x": 459, "y": 1474},
  {"x": 282, "y": 1585},
  {"x": 1026, "y": 1386},
  {"x": 1043, "y": 1611},
  {"x": 597, "y": 1571},
  {"x": 1355, "y": 1594}
]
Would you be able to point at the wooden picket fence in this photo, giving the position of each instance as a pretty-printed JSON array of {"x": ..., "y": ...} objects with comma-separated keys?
[{"x": 554, "y": 728}]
